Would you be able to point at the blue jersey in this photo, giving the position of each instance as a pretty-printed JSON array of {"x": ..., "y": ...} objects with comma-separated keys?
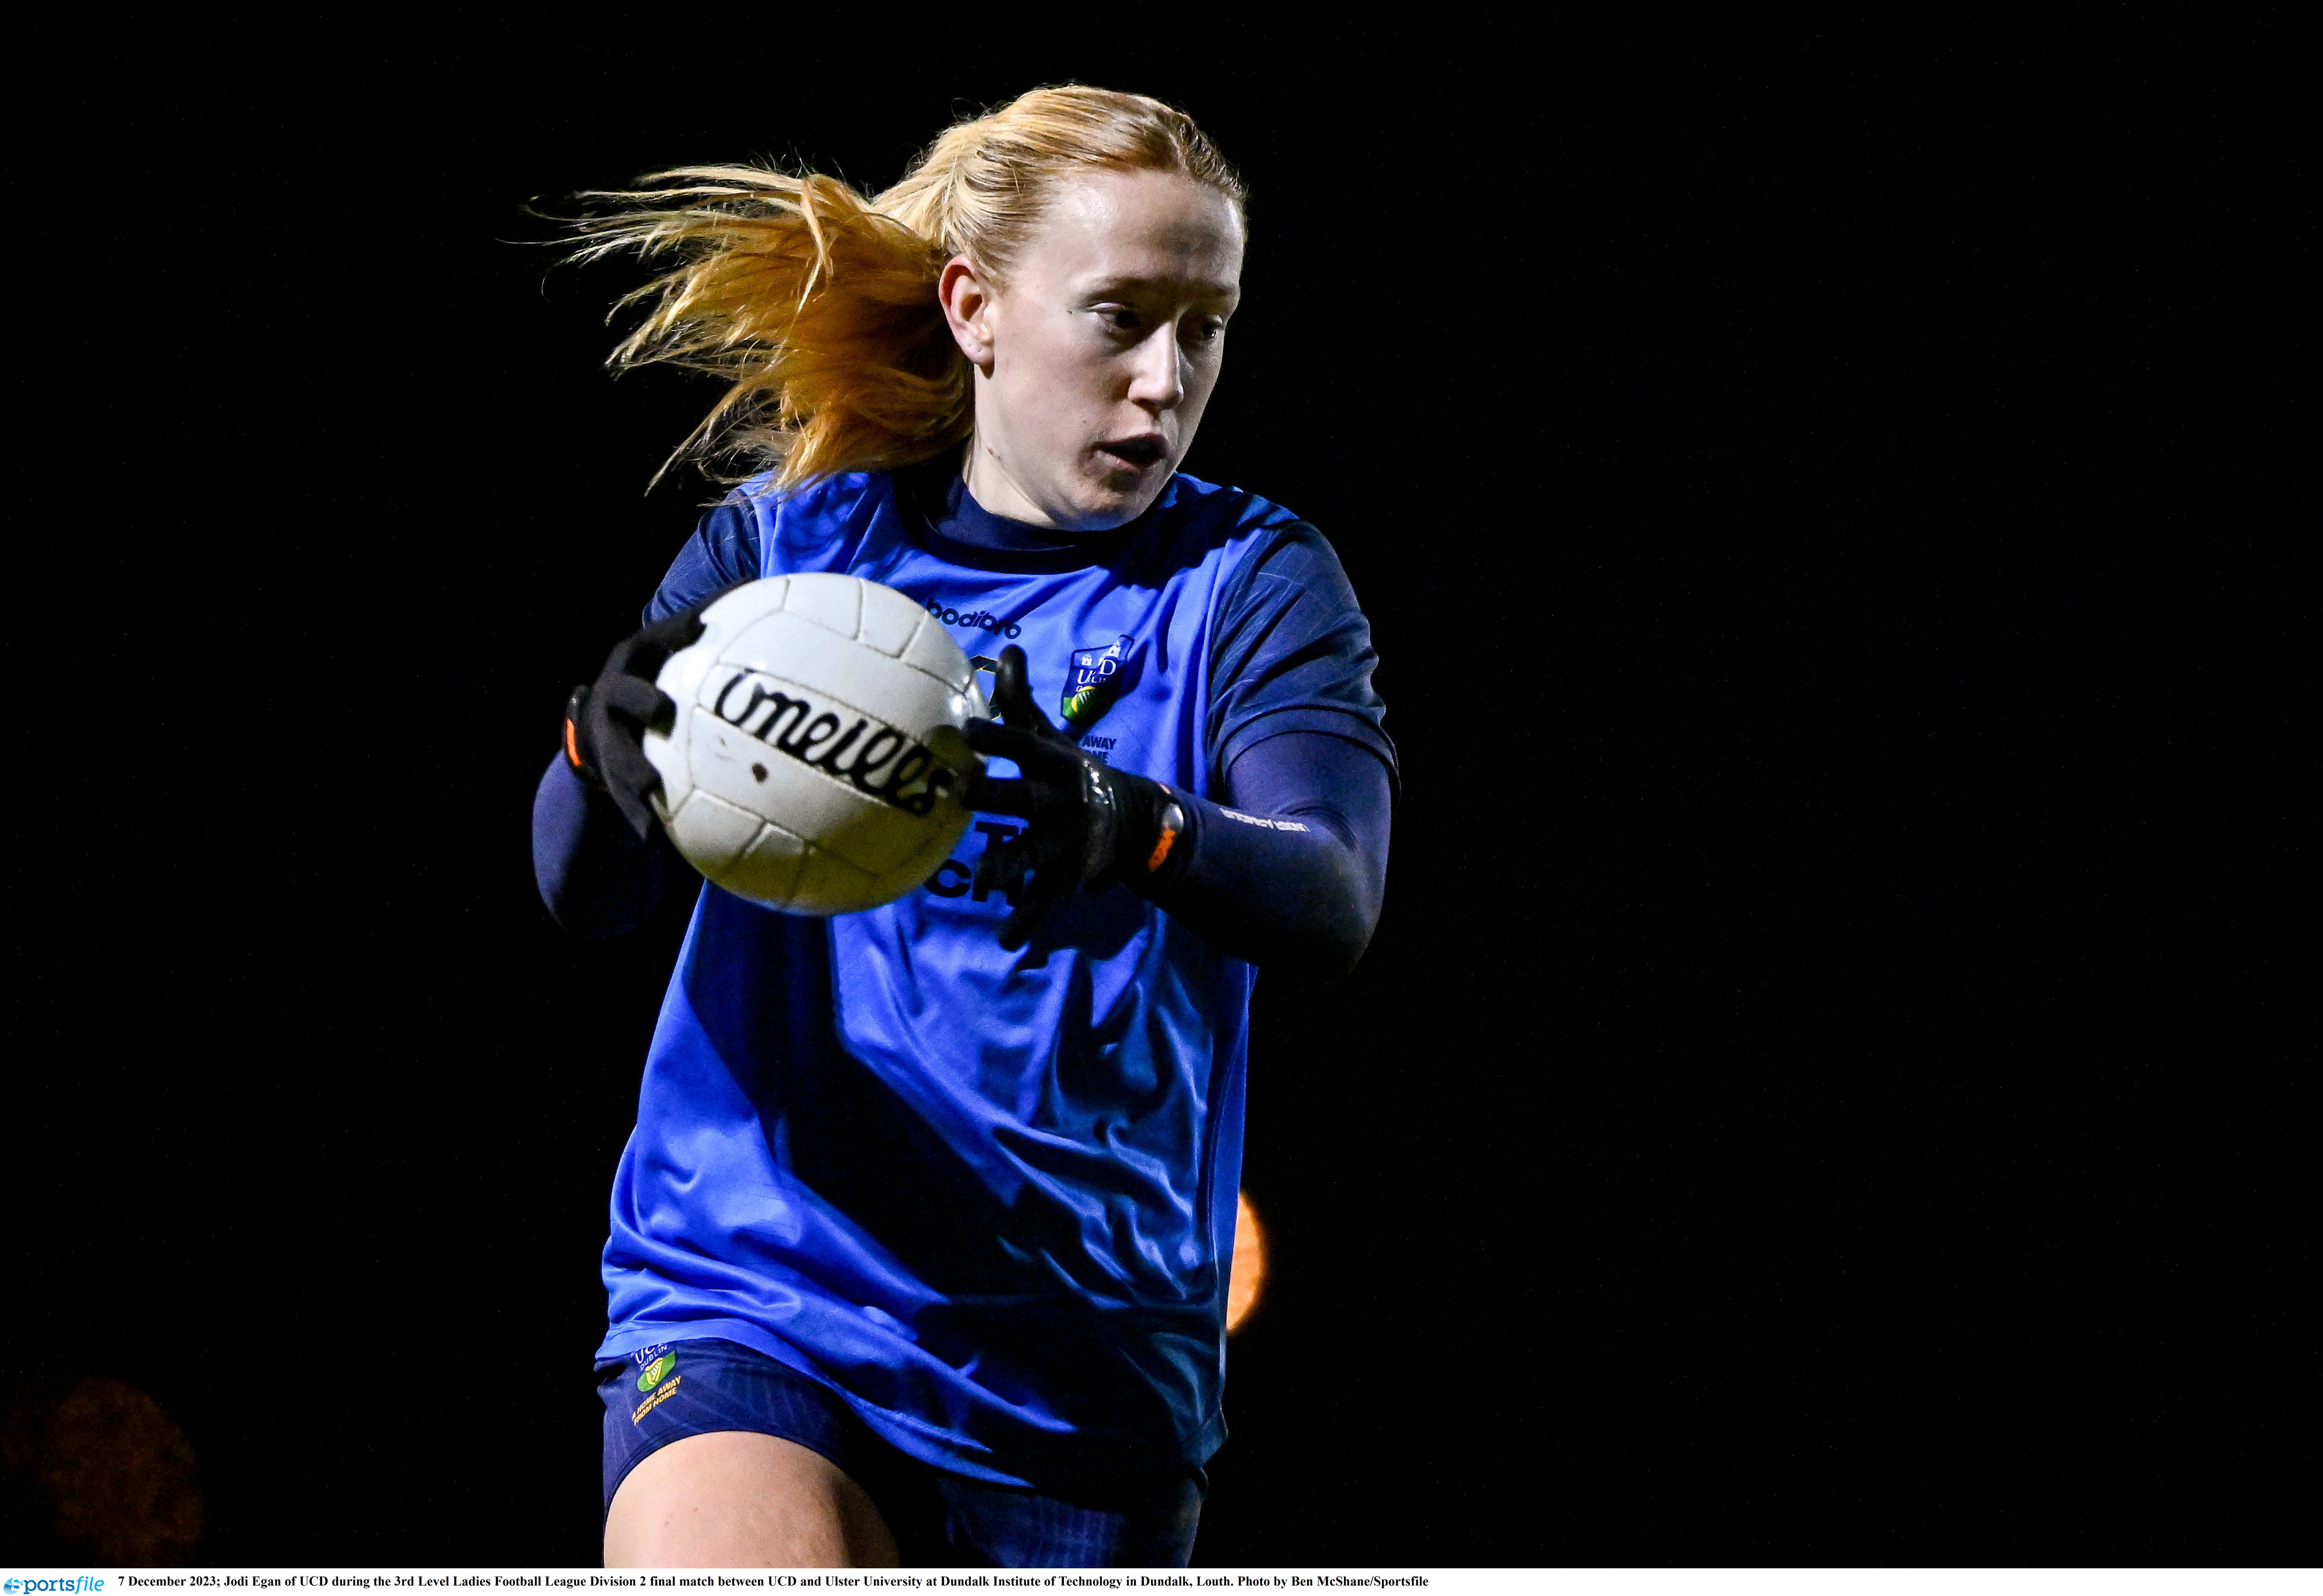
[{"x": 988, "y": 1198}]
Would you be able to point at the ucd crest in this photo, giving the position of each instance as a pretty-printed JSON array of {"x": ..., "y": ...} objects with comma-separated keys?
[{"x": 1096, "y": 679}]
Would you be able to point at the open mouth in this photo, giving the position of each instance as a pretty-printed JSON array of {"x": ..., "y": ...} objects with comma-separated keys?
[{"x": 1135, "y": 453}]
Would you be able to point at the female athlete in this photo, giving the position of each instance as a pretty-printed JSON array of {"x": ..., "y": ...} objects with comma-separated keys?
[{"x": 919, "y": 1249}]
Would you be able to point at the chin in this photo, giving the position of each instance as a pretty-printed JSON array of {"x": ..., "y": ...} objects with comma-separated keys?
[{"x": 1102, "y": 506}]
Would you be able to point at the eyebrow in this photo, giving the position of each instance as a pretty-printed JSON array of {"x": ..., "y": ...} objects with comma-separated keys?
[{"x": 1231, "y": 291}]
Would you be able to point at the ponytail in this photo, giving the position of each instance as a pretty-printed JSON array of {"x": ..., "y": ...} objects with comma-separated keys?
[{"x": 818, "y": 307}]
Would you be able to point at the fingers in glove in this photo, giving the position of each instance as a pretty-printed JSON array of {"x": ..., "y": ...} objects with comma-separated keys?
[
  {"x": 639, "y": 699},
  {"x": 643, "y": 653},
  {"x": 1012, "y": 692},
  {"x": 681, "y": 630},
  {"x": 1018, "y": 928},
  {"x": 1031, "y": 902},
  {"x": 1005, "y": 868},
  {"x": 986, "y": 795},
  {"x": 630, "y": 780},
  {"x": 635, "y": 813},
  {"x": 637, "y": 656},
  {"x": 1036, "y": 753}
]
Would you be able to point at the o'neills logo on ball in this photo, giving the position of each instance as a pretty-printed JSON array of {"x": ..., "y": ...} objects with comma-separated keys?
[{"x": 891, "y": 765}]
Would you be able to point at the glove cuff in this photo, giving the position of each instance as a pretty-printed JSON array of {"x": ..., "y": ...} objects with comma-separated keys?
[
  {"x": 576, "y": 709},
  {"x": 1172, "y": 821},
  {"x": 1153, "y": 832}
]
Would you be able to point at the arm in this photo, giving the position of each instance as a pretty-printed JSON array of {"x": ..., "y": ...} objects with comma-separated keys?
[
  {"x": 1294, "y": 730},
  {"x": 1298, "y": 885},
  {"x": 597, "y": 875},
  {"x": 1303, "y": 891},
  {"x": 1295, "y": 735},
  {"x": 597, "y": 878}
]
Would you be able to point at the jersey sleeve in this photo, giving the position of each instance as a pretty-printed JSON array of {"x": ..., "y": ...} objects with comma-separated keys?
[
  {"x": 1291, "y": 871},
  {"x": 1293, "y": 652},
  {"x": 722, "y": 551}
]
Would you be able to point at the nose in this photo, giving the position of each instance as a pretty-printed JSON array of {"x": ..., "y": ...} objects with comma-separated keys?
[{"x": 1157, "y": 378}]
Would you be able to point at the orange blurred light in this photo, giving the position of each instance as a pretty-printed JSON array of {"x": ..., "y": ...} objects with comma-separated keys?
[{"x": 1249, "y": 1264}]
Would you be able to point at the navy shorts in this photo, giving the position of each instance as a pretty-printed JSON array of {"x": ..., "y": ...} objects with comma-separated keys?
[{"x": 692, "y": 1388}]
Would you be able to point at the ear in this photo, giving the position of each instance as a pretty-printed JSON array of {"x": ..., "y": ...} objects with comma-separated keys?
[{"x": 967, "y": 300}]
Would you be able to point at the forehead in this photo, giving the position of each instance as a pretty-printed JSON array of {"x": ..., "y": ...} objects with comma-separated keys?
[{"x": 1137, "y": 227}]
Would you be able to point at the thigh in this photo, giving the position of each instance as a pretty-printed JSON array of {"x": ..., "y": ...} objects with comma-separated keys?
[
  {"x": 718, "y": 1455},
  {"x": 737, "y": 1499}
]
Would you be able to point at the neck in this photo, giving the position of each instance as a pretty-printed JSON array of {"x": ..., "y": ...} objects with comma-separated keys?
[
  {"x": 969, "y": 533},
  {"x": 955, "y": 512},
  {"x": 994, "y": 489}
]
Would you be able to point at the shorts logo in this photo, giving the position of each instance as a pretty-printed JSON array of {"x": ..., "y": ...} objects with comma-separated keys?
[
  {"x": 654, "y": 1371},
  {"x": 1098, "y": 677},
  {"x": 669, "y": 1389}
]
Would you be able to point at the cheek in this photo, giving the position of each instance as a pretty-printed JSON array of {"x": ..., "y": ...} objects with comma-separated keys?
[
  {"x": 1061, "y": 368},
  {"x": 1201, "y": 378},
  {"x": 1051, "y": 406}
]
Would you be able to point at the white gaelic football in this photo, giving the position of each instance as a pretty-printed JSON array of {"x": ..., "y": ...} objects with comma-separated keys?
[{"x": 817, "y": 758}]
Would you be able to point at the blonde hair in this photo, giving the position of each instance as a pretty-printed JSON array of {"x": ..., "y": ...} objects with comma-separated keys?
[{"x": 818, "y": 305}]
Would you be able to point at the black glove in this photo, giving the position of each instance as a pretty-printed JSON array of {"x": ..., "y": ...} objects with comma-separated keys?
[
  {"x": 1087, "y": 822},
  {"x": 604, "y": 719}
]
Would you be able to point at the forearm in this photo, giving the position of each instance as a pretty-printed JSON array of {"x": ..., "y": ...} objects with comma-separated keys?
[
  {"x": 595, "y": 873},
  {"x": 1291, "y": 875}
]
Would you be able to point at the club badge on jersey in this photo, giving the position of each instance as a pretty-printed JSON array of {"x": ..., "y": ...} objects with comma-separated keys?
[{"x": 1099, "y": 676}]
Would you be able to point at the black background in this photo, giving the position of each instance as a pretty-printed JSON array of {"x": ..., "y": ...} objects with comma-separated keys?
[{"x": 1817, "y": 1093}]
